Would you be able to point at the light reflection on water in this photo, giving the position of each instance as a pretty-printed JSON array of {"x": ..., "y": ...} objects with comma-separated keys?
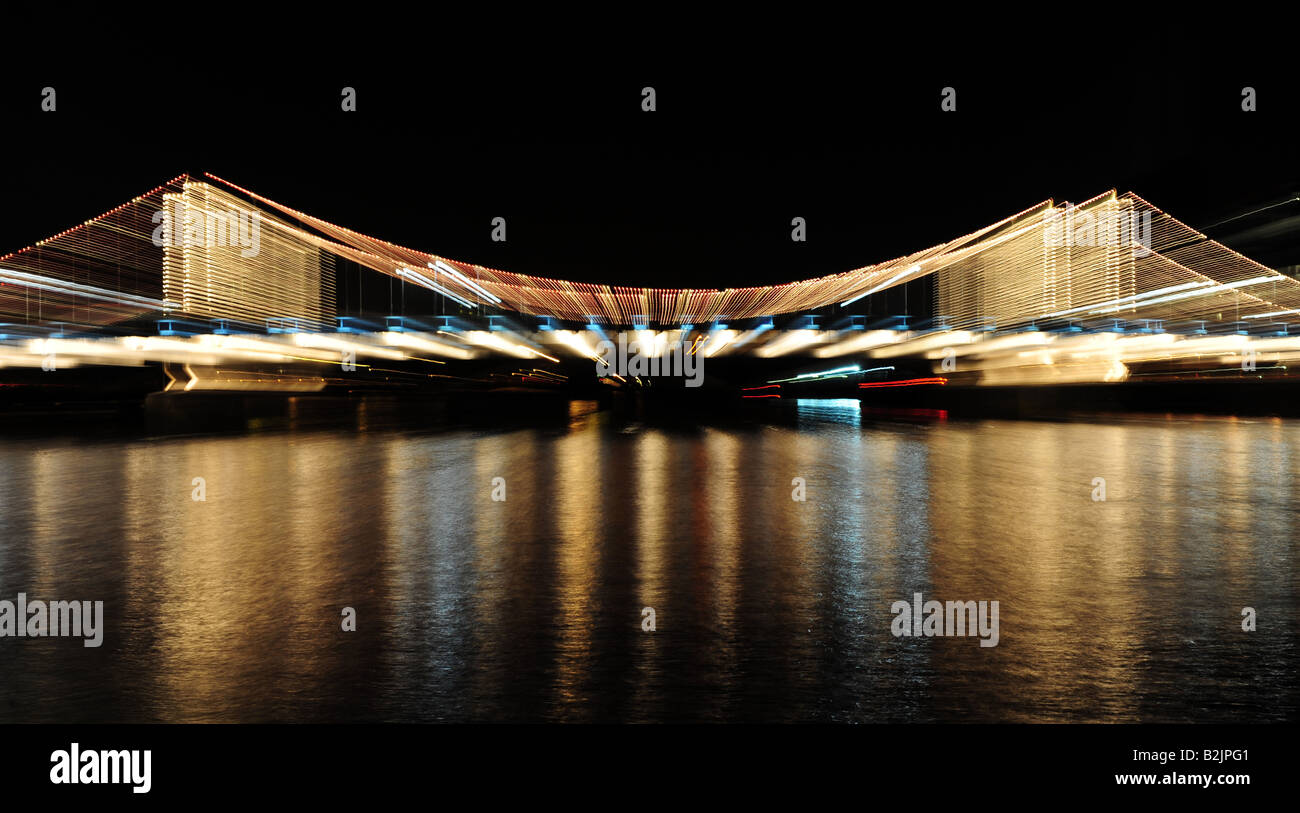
[
  {"x": 847, "y": 411},
  {"x": 766, "y": 608}
]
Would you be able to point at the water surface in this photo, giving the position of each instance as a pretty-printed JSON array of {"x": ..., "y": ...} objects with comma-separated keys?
[{"x": 470, "y": 609}]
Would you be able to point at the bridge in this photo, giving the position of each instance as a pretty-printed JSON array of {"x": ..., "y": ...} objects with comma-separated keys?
[{"x": 224, "y": 289}]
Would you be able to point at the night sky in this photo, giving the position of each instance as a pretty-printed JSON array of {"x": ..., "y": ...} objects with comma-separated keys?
[{"x": 845, "y": 132}]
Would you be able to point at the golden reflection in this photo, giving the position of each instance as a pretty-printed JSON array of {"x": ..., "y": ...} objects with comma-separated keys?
[
  {"x": 653, "y": 483},
  {"x": 1060, "y": 564},
  {"x": 529, "y": 607},
  {"x": 578, "y": 507},
  {"x": 719, "y": 492}
]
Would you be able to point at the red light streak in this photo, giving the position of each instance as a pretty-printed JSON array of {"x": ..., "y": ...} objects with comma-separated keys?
[{"x": 910, "y": 382}]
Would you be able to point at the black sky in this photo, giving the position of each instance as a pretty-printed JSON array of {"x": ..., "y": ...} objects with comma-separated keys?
[{"x": 846, "y": 132}]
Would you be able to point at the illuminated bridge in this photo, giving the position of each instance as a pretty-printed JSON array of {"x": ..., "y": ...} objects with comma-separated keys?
[{"x": 220, "y": 288}]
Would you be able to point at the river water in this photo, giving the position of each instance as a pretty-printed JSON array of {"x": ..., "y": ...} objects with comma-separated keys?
[{"x": 533, "y": 607}]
